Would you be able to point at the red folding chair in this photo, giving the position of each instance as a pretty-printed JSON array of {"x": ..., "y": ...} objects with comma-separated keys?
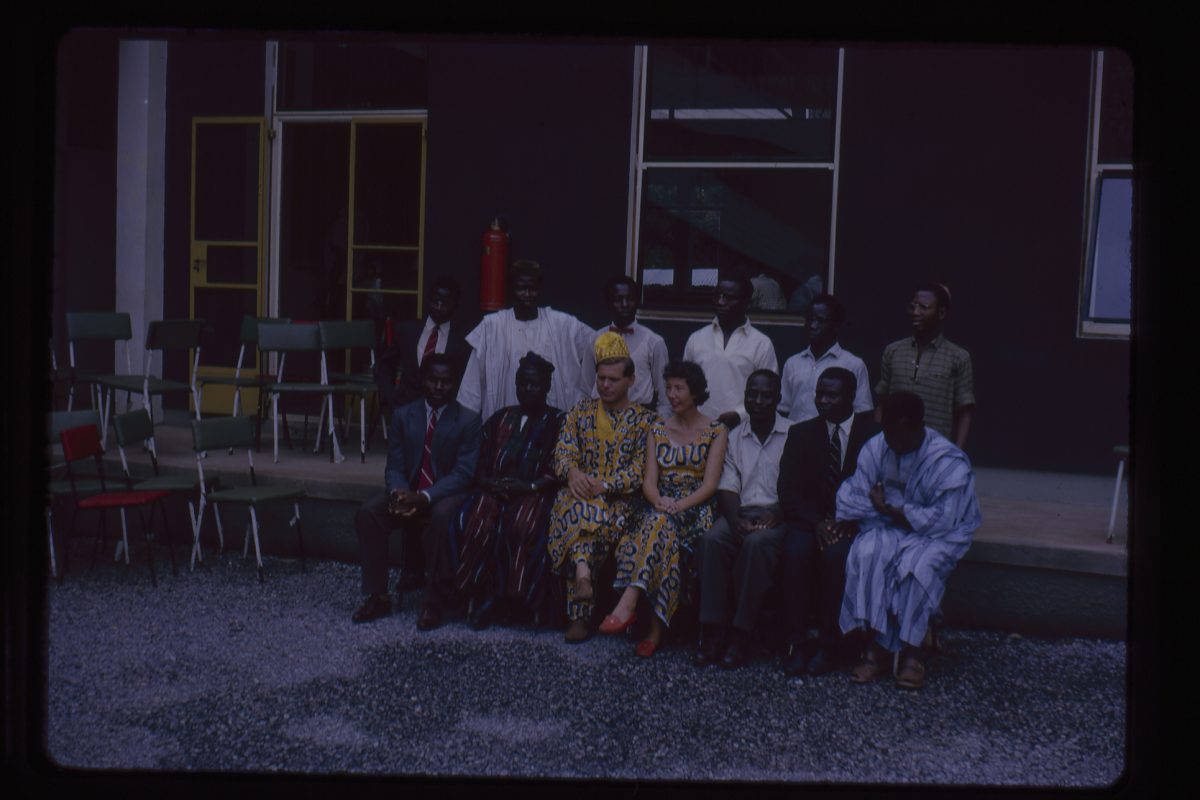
[{"x": 84, "y": 442}]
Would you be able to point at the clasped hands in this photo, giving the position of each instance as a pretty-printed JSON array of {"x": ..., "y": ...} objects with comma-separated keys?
[
  {"x": 830, "y": 531},
  {"x": 746, "y": 526},
  {"x": 506, "y": 488},
  {"x": 404, "y": 503},
  {"x": 584, "y": 486}
]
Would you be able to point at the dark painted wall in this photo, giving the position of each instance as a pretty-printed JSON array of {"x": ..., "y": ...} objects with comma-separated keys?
[
  {"x": 85, "y": 186},
  {"x": 964, "y": 165},
  {"x": 967, "y": 166},
  {"x": 539, "y": 136}
]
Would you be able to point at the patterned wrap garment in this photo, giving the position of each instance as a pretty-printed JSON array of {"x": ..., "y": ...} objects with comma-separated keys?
[
  {"x": 657, "y": 553},
  {"x": 497, "y": 546},
  {"x": 612, "y": 448}
]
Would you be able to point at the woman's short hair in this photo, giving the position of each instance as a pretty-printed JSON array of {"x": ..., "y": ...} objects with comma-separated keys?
[{"x": 691, "y": 373}]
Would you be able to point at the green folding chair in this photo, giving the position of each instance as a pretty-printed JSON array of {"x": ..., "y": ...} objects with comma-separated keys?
[
  {"x": 136, "y": 427},
  {"x": 339, "y": 339},
  {"x": 244, "y": 376},
  {"x": 95, "y": 326},
  {"x": 227, "y": 433},
  {"x": 291, "y": 339},
  {"x": 162, "y": 336}
]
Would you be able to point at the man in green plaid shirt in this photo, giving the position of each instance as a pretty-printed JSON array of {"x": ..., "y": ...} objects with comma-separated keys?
[{"x": 929, "y": 365}]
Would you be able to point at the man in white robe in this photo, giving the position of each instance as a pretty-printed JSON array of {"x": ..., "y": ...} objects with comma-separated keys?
[
  {"x": 913, "y": 497},
  {"x": 503, "y": 337}
]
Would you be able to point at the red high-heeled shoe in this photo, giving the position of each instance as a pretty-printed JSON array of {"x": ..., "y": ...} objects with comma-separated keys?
[
  {"x": 646, "y": 648},
  {"x": 613, "y": 625}
]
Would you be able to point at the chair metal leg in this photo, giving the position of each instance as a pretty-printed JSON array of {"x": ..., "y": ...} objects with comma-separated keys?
[
  {"x": 257, "y": 549},
  {"x": 362, "y": 429},
  {"x": 295, "y": 521},
  {"x": 162, "y": 507},
  {"x": 149, "y": 550},
  {"x": 50, "y": 539},
  {"x": 1112, "y": 517},
  {"x": 275, "y": 424},
  {"x": 220, "y": 529},
  {"x": 196, "y": 515},
  {"x": 124, "y": 543},
  {"x": 335, "y": 450}
]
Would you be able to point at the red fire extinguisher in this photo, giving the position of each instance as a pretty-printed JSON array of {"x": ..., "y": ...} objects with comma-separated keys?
[{"x": 492, "y": 268}]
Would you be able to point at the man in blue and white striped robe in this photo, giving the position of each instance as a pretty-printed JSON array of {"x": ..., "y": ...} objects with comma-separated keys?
[{"x": 913, "y": 496}]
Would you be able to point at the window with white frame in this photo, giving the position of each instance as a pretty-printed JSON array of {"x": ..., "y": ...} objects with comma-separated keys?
[
  {"x": 736, "y": 166},
  {"x": 1105, "y": 296}
]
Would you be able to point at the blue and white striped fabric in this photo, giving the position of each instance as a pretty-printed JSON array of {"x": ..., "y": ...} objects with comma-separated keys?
[{"x": 895, "y": 578}]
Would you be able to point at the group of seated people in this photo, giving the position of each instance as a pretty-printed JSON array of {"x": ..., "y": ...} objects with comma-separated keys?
[{"x": 708, "y": 479}]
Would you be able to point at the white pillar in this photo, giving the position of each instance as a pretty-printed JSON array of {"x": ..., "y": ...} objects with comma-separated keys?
[{"x": 141, "y": 147}]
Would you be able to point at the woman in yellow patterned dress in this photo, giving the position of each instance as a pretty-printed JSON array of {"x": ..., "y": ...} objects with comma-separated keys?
[{"x": 684, "y": 456}]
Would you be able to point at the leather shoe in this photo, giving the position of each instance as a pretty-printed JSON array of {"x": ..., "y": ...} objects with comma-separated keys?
[
  {"x": 821, "y": 663},
  {"x": 912, "y": 672},
  {"x": 374, "y": 607},
  {"x": 481, "y": 616},
  {"x": 735, "y": 654},
  {"x": 430, "y": 617},
  {"x": 612, "y": 624},
  {"x": 707, "y": 652},
  {"x": 870, "y": 665},
  {"x": 796, "y": 663},
  {"x": 577, "y": 632}
]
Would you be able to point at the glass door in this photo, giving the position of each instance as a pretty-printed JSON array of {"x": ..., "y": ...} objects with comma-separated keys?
[{"x": 226, "y": 266}]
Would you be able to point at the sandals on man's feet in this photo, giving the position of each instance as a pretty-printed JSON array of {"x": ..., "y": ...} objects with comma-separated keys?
[
  {"x": 911, "y": 674},
  {"x": 869, "y": 667}
]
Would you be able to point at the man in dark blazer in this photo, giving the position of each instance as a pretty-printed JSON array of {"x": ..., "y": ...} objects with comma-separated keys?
[
  {"x": 819, "y": 454},
  {"x": 398, "y": 370},
  {"x": 433, "y": 445}
]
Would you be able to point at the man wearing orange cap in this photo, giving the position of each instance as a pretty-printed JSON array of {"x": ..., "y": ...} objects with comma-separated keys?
[{"x": 600, "y": 456}]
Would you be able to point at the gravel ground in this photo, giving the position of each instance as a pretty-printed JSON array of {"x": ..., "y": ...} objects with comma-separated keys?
[{"x": 213, "y": 671}]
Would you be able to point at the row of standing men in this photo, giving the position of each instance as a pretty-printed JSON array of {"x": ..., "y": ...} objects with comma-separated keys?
[{"x": 691, "y": 483}]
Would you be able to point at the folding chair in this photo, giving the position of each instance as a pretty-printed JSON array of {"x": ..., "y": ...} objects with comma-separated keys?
[
  {"x": 163, "y": 335},
  {"x": 1121, "y": 451},
  {"x": 256, "y": 379},
  {"x": 56, "y": 423},
  {"x": 95, "y": 326},
  {"x": 134, "y": 427},
  {"x": 285, "y": 339},
  {"x": 84, "y": 442},
  {"x": 228, "y": 433},
  {"x": 336, "y": 338}
]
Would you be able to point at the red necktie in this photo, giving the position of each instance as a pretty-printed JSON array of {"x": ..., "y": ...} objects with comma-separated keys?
[
  {"x": 425, "y": 479},
  {"x": 430, "y": 344}
]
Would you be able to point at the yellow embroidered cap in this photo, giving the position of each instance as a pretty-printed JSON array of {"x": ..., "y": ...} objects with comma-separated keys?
[{"x": 610, "y": 345}]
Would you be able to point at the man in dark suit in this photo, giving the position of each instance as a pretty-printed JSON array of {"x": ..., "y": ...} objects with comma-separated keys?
[
  {"x": 433, "y": 445},
  {"x": 398, "y": 370},
  {"x": 398, "y": 376},
  {"x": 819, "y": 454}
]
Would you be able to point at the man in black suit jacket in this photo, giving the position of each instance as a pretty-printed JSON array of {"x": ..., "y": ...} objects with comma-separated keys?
[
  {"x": 398, "y": 370},
  {"x": 433, "y": 445},
  {"x": 819, "y": 454}
]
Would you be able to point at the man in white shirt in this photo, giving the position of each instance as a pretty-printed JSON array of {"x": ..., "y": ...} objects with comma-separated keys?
[
  {"x": 502, "y": 339},
  {"x": 647, "y": 349},
  {"x": 398, "y": 370},
  {"x": 738, "y": 553},
  {"x": 825, "y": 318},
  {"x": 728, "y": 349}
]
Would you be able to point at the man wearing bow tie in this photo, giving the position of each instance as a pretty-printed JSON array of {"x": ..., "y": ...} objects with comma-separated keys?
[{"x": 647, "y": 349}]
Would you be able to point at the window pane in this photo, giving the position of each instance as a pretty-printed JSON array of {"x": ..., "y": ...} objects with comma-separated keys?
[
  {"x": 222, "y": 311},
  {"x": 232, "y": 264},
  {"x": 227, "y": 197},
  {"x": 771, "y": 223},
  {"x": 740, "y": 103},
  {"x": 1110, "y": 297},
  {"x": 385, "y": 269},
  {"x": 358, "y": 75},
  {"x": 387, "y": 183}
]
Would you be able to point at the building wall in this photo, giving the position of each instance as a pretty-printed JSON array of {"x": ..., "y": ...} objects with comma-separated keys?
[
  {"x": 537, "y": 135},
  {"x": 964, "y": 165},
  {"x": 85, "y": 186}
]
